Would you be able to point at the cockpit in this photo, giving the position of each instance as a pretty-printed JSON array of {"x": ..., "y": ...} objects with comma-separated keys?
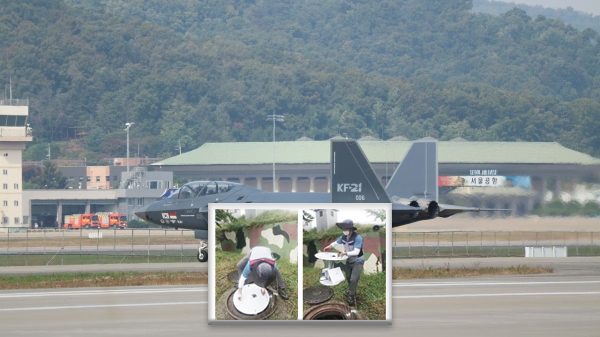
[{"x": 201, "y": 188}]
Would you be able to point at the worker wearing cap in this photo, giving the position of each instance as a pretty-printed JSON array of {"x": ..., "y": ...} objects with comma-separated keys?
[
  {"x": 261, "y": 264},
  {"x": 353, "y": 243}
]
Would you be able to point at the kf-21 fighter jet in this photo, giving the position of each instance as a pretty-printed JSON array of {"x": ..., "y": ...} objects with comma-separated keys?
[{"x": 412, "y": 191}]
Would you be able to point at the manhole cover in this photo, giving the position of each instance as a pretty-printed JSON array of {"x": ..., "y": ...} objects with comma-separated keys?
[
  {"x": 317, "y": 294},
  {"x": 253, "y": 301},
  {"x": 330, "y": 256},
  {"x": 233, "y": 277}
]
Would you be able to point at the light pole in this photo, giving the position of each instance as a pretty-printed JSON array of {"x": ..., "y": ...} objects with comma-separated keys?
[
  {"x": 128, "y": 125},
  {"x": 274, "y": 118}
]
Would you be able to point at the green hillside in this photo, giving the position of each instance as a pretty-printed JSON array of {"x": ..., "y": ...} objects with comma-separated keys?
[
  {"x": 197, "y": 71},
  {"x": 569, "y": 15}
]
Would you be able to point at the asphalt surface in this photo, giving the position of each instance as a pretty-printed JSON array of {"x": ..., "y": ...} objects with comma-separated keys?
[{"x": 495, "y": 306}]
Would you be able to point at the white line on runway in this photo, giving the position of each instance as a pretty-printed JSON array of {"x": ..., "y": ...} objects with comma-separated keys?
[
  {"x": 496, "y": 295},
  {"x": 102, "y": 306},
  {"x": 102, "y": 292},
  {"x": 427, "y": 284}
]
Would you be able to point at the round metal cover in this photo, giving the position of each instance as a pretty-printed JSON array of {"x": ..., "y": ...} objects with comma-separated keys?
[
  {"x": 233, "y": 277},
  {"x": 325, "y": 256},
  {"x": 253, "y": 302},
  {"x": 317, "y": 294}
]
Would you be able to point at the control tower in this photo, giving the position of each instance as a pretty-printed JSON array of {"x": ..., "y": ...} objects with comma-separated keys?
[{"x": 14, "y": 133}]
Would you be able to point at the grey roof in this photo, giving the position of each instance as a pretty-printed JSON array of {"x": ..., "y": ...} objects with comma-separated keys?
[
  {"x": 398, "y": 139},
  {"x": 458, "y": 139},
  {"x": 317, "y": 152},
  {"x": 304, "y": 139},
  {"x": 369, "y": 138}
]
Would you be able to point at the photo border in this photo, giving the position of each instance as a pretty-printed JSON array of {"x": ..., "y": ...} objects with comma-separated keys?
[{"x": 298, "y": 207}]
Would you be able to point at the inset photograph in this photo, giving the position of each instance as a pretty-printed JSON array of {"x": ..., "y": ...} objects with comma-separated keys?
[
  {"x": 344, "y": 276},
  {"x": 256, "y": 264}
]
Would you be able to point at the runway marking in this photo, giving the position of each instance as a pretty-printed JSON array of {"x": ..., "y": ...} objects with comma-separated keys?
[
  {"x": 488, "y": 283},
  {"x": 102, "y": 292},
  {"x": 101, "y": 306},
  {"x": 496, "y": 295}
]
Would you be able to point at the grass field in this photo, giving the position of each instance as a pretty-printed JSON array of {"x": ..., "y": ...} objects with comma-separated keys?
[
  {"x": 425, "y": 273},
  {"x": 109, "y": 279},
  {"x": 74, "y": 259}
]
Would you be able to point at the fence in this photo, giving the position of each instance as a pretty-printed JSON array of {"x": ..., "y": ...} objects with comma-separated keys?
[
  {"x": 23, "y": 247},
  {"x": 490, "y": 244}
]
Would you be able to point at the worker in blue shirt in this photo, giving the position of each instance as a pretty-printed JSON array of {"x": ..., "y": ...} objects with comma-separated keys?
[
  {"x": 261, "y": 264},
  {"x": 353, "y": 244}
]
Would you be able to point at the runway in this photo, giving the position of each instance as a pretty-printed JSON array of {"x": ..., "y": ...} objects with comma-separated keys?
[{"x": 547, "y": 305}]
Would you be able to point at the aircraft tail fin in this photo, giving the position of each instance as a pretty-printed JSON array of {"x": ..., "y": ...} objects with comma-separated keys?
[
  {"x": 353, "y": 179},
  {"x": 417, "y": 174}
]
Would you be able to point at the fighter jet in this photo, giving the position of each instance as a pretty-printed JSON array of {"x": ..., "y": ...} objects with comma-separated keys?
[{"x": 353, "y": 180}]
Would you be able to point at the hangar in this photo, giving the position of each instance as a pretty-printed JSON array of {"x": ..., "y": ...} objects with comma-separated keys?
[{"x": 512, "y": 175}]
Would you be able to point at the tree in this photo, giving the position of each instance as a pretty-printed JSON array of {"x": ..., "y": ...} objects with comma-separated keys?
[
  {"x": 48, "y": 177},
  {"x": 222, "y": 215},
  {"x": 378, "y": 214}
]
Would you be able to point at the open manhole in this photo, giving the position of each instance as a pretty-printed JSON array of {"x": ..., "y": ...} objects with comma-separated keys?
[
  {"x": 330, "y": 311},
  {"x": 317, "y": 294},
  {"x": 235, "y": 278},
  {"x": 253, "y": 306}
]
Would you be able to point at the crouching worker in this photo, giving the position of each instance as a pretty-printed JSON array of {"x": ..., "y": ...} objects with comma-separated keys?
[
  {"x": 261, "y": 264},
  {"x": 353, "y": 244}
]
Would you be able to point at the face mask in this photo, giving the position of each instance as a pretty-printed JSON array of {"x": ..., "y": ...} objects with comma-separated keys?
[{"x": 346, "y": 232}]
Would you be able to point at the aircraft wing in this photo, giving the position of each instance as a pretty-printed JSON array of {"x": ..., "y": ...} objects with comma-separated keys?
[{"x": 448, "y": 210}]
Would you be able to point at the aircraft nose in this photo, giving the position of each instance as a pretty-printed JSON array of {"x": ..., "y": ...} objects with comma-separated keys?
[{"x": 142, "y": 213}]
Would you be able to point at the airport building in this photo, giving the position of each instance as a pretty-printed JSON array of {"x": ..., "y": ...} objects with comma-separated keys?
[
  {"x": 512, "y": 175},
  {"x": 14, "y": 134},
  {"x": 137, "y": 189}
]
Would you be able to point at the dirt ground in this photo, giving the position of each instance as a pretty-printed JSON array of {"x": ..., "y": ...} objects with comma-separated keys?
[{"x": 466, "y": 222}]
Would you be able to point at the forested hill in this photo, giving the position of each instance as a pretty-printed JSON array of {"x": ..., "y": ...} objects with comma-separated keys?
[
  {"x": 197, "y": 71},
  {"x": 577, "y": 19}
]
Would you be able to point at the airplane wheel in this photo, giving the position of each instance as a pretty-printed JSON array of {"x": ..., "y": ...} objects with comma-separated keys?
[{"x": 202, "y": 255}]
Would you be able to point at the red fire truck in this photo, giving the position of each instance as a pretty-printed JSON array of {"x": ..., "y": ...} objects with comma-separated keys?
[
  {"x": 112, "y": 220},
  {"x": 77, "y": 221}
]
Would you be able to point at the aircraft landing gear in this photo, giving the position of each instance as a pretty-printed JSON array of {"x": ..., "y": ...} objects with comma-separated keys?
[{"x": 202, "y": 251}]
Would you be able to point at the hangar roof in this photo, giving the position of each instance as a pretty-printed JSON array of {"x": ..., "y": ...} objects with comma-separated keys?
[{"x": 317, "y": 152}]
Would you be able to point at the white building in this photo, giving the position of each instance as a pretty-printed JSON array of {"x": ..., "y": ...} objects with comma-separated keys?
[
  {"x": 325, "y": 218},
  {"x": 14, "y": 133}
]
